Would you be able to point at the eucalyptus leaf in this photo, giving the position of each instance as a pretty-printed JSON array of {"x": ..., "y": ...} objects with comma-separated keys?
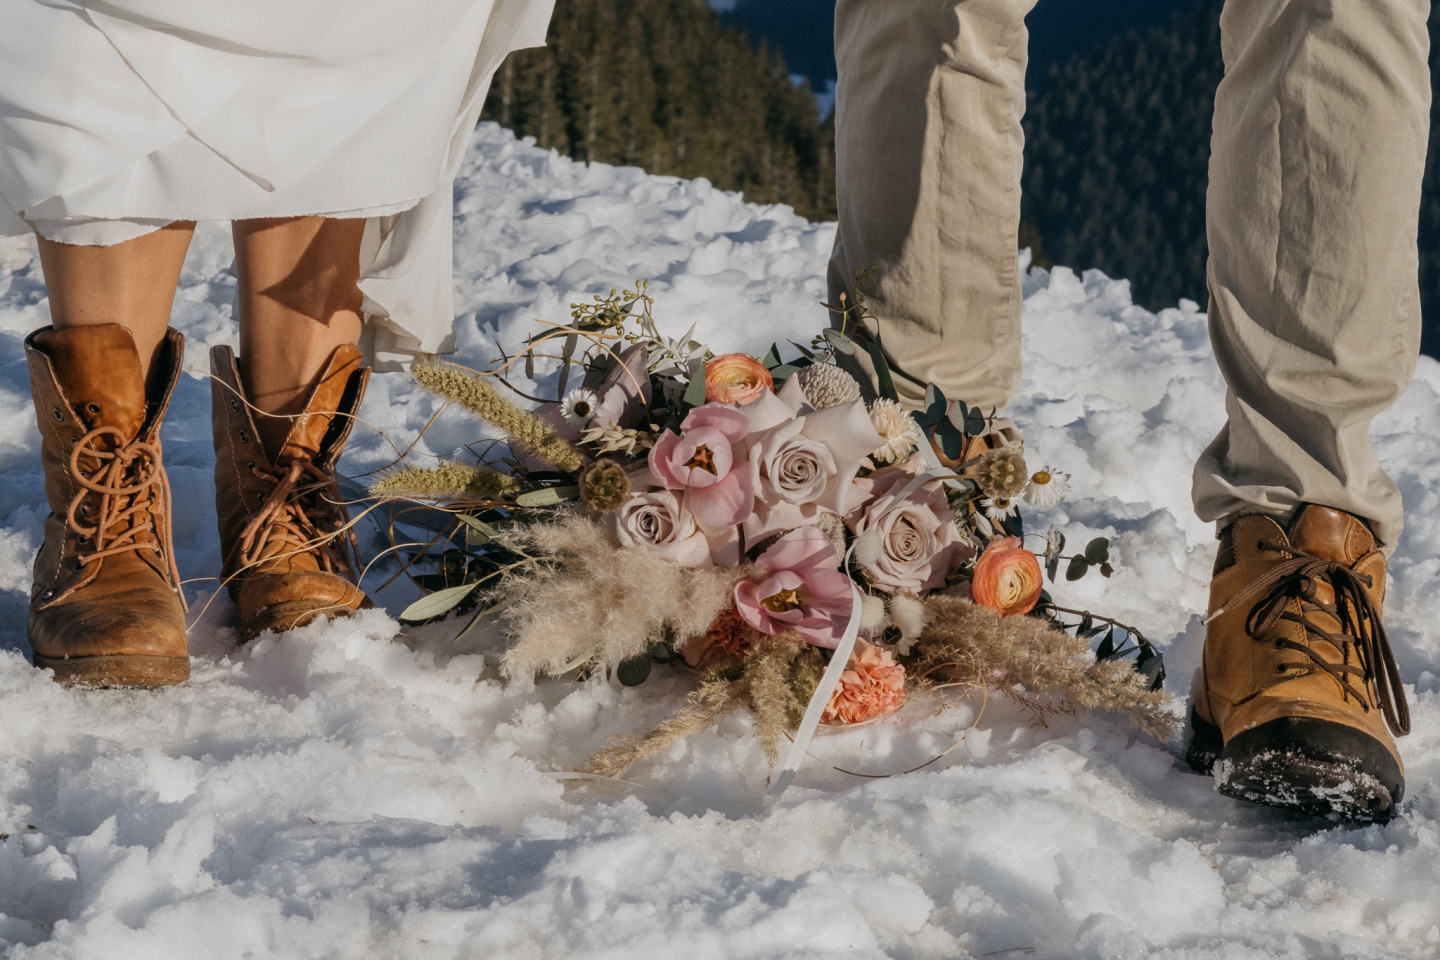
[
  {"x": 771, "y": 360},
  {"x": 951, "y": 440},
  {"x": 934, "y": 407},
  {"x": 1052, "y": 567},
  {"x": 566, "y": 352},
  {"x": 695, "y": 392},
  {"x": 1086, "y": 622},
  {"x": 840, "y": 342},
  {"x": 974, "y": 423},
  {"x": 808, "y": 353},
  {"x": 437, "y": 603},
  {"x": 884, "y": 383},
  {"x": 1077, "y": 568},
  {"x": 1097, "y": 551},
  {"x": 1106, "y": 570},
  {"x": 477, "y": 531},
  {"x": 783, "y": 372},
  {"x": 634, "y": 671},
  {"x": 548, "y": 496}
]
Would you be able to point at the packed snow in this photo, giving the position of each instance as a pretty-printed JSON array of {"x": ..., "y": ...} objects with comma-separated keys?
[{"x": 359, "y": 789}]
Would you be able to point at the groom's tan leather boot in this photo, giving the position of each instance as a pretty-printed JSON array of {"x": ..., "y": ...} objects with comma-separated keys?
[
  {"x": 1298, "y": 695},
  {"x": 106, "y": 607},
  {"x": 289, "y": 557}
]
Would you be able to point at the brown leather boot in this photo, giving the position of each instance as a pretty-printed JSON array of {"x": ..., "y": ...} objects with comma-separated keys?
[
  {"x": 1298, "y": 694},
  {"x": 288, "y": 555},
  {"x": 106, "y": 607}
]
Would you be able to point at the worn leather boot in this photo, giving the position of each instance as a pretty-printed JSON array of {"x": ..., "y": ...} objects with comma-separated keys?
[
  {"x": 289, "y": 556},
  {"x": 1298, "y": 694},
  {"x": 106, "y": 607}
]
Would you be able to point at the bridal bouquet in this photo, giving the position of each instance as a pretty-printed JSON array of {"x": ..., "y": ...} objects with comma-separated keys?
[{"x": 808, "y": 556}]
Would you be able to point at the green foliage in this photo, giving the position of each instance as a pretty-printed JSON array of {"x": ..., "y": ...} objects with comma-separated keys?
[{"x": 663, "y": 85}]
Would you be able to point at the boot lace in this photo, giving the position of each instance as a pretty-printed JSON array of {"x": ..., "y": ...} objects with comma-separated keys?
[
  {"x": 119, "y": 483},
  {"x": 288, "y": 518},
  {"x": 1361, "y": 632}
]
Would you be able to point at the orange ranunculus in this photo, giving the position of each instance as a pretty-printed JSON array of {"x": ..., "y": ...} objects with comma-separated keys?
[
  {"x": 1007, "y": 578},
  {"x": 736, "y": 378},
  {"x": 872, "y": 685}
]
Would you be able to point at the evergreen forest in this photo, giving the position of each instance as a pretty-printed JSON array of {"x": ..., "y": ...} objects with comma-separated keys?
[{"x": 664, "y": 85}]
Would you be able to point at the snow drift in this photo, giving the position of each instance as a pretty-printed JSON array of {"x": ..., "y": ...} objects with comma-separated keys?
[{"x": 360, "y": 790}]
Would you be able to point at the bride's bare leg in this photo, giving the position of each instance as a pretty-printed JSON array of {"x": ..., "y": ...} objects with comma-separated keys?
[
  {"x": 130, "y": 283},
  {"x": 299, "y": 301}
]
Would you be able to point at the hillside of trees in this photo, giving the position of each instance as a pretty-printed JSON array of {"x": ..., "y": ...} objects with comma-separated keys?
[
  {"x": 1117, "y": 155},
  {"x": 664, "y": 85}
]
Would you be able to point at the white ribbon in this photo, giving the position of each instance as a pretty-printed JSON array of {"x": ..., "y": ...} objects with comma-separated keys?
[{"x": 841, "y": 658}]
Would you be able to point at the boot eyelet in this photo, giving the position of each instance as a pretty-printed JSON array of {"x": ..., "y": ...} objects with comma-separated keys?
[
  {"x": 74, "y": 440},
  {"x": 235, "y": 404},
  {"x": 1280, "y": 644},
  {"x": 93, "y": 407},
  {"x": 244, "y": 437},
  {"x": 47, "y": 593},
  {"x": 82, "y": 540},
  {"x": 79, "y": 565},
  {"x": 58, "y": 414}
]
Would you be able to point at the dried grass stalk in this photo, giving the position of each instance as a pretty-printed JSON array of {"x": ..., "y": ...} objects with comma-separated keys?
[
  {"x": 595, "y": 599},
  {"x": 448, "y": 481},
  {"x": 706, "y": 705},
  {"x": 968, "y": 645},
  {"x": 768, "y": 665},
  {"x": 483, "y": 400}
]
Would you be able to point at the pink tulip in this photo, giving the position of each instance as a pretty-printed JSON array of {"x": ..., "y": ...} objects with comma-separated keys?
[
  {"x": 802, "y": 590},
  {"x": 701, "y": 461}
]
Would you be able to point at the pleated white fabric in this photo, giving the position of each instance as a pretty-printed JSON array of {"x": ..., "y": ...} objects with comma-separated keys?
[{"x": 117, "y": 116}]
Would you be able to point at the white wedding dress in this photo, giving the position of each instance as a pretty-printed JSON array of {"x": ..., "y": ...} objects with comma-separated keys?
[{"x": 118, "y": 116}]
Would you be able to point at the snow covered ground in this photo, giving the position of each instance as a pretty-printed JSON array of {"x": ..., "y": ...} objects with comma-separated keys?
[{"x": 359, "y": 790}]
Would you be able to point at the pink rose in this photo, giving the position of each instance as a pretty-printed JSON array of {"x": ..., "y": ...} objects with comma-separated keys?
[
  {"x": 916, "y": 543},
  {"x": 802, "y": 590},
  {"x": 659, "y": 523},
  {"x": 701, "y": 461}
]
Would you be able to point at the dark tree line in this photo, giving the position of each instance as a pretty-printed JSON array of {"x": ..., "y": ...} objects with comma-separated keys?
[
  {"x": 664, "y": 85},
  {"x": 1117, "y": 154}
]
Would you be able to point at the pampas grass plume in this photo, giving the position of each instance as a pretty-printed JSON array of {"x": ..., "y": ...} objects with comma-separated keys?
[{"x": 483, "y": 400}]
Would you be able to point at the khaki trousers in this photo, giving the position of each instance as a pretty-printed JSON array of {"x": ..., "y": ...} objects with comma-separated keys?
[{"x": 1318, "y": 148}]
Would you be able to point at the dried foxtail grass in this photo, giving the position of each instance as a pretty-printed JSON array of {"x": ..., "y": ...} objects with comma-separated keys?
[
  {"x": 448, "y": 481},
  {"x": 968, "y": 645},
  {"x": 764, "y": 687},
  {"x": 483, "y": 400},
  {"x": 593, "y": 600}
]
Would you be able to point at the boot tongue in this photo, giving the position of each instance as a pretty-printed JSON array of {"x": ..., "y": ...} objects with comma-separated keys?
[
  {"x": 306, "y": 439},
  {"x": 1331, "y": 534},
  {"x": 98, "y": 369}
]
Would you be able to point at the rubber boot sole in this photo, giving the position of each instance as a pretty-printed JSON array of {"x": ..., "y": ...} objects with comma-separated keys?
[
  {"x": 121, "y": 670},
  {"x": 1313, "y": 767},
  {"x": 293, "y": 614}
]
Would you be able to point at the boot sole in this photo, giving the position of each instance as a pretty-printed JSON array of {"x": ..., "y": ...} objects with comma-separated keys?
[
  {"x": 298, "y": 613},
  {"x": 1314, "y": 767},
  {"x": 121, "y": 670}
]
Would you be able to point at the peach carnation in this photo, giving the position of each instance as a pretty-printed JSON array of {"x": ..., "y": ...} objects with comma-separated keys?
[
  {"x": 736, "y": 378},
  {"x": 1007, "y": 578},
  {"x": 872, "y": 686}
]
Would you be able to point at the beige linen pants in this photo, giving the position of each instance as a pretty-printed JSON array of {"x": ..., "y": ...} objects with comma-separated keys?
[{"x": 1318, "y": 149}]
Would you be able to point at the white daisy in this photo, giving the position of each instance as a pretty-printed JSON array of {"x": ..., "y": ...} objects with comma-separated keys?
[
  {"x": 1047, "y": 487},
  {"x": 579, "y": 407},
  {"x": 998, "y": 510},
  {"x": 897, "y": 428}
]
